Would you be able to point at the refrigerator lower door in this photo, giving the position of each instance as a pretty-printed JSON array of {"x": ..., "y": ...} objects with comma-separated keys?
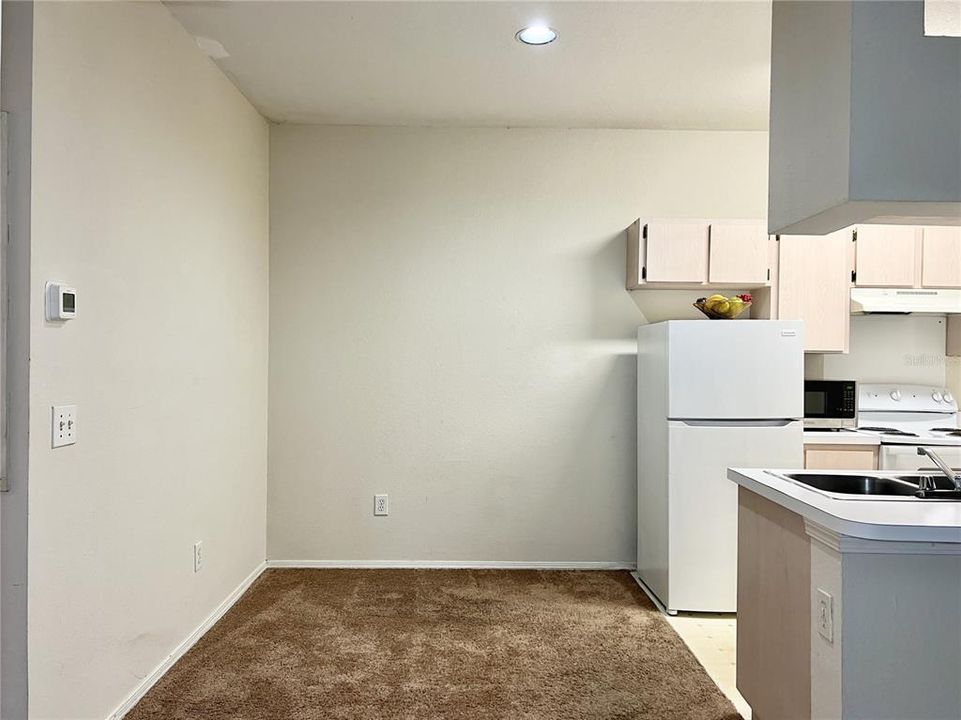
[{"x": 702, "y": 504}]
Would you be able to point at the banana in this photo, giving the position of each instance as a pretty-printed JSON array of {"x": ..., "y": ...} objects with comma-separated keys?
[{"x": 714, "y": 301}]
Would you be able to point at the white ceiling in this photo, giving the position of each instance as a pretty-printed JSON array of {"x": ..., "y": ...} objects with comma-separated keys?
[{"x": 686, "y": 65}]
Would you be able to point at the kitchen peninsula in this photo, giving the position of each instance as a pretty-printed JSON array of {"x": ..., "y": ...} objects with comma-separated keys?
[{"x": 849, "y": 605}]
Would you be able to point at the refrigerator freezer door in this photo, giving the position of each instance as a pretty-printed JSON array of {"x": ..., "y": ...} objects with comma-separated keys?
[
  {"x": 743, "y": 369},
  {"x": 702, "y": 502}
]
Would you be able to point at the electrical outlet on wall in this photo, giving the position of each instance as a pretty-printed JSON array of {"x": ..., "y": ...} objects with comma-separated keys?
[
  {"x": 380, "y": 504},
  {"x": 64, "y": 429},
  {"x": 198, "y": 556},
  {"x": 824, "y": 614}
]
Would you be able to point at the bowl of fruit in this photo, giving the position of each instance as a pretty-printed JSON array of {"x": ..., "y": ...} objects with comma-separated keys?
[{"x": 718, "y": 307}]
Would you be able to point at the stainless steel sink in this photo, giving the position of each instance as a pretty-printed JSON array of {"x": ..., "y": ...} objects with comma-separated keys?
[
  {"x": 856, "y": 484},
  {"x": 880, "y": 486}
]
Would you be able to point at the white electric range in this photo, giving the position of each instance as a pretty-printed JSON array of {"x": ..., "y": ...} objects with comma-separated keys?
[{"x": 904, "y": 417}]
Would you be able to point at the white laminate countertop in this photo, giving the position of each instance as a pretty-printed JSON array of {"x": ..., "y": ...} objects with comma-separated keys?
[
  {"x": 911, "y": 520},
  {"x": 844, "y": 437}
]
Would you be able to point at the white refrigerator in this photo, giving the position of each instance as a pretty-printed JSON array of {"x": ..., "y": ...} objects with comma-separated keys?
[{"x": 711, "y": 394}]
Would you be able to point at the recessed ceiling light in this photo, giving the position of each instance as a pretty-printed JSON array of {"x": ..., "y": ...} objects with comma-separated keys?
[{"x": 536, "y": 35}]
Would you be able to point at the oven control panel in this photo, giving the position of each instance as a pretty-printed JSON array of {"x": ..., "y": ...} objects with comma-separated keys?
[{"x": 905, "y": 398}]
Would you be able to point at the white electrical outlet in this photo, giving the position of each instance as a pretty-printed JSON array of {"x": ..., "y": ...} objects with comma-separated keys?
[
  {"x": 198, "y": 556},
  {"x": 380, "y": 504},
  {"x": 824, "y": 615},
  {"x": 64, "y": 430}
]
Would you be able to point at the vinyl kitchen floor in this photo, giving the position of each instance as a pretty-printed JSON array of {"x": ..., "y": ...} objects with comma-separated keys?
[{"x": 713, "y": 640}]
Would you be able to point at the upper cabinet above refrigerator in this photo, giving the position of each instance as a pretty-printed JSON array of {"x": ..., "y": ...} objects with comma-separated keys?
[{"x": 698, "y": 254}]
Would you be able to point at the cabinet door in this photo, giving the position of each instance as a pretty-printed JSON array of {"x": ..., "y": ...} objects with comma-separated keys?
[
  {"x": 677, "y": 252},
  {"x": 887, "y": 256},
  {"x": 814, "y": 281},
  {"x": 739, "y": 254},
  {"x": 840, "y": 457},
  {"x": 941, "y": 257}
]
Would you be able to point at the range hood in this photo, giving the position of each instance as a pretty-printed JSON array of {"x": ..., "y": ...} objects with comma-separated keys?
[
  {"x": 865, "y": 122},
  {"x": 907, "y": 300}
]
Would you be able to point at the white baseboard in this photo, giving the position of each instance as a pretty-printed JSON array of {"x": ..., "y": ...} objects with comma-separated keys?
[
  {"x": 158, "y": 672},
  {"x": 451, "y": 564}
]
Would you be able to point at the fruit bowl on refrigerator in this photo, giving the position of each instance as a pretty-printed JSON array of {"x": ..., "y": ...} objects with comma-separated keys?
[{"x": 718, "y": 307}]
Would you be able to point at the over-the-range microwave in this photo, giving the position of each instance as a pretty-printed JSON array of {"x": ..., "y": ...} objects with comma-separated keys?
[{"x": 830, "y": 403}]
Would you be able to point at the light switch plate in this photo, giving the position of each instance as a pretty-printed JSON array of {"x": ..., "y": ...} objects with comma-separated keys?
[
  {"x": 824, "y": 614},
  {"x": 64, "y": 427}
]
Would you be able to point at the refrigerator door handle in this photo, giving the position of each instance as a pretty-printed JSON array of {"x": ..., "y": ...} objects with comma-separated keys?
[{"x": 780, "y": 422}]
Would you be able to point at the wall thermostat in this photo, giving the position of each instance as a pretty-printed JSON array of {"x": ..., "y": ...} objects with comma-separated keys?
[{"x": 61, "y": 302}]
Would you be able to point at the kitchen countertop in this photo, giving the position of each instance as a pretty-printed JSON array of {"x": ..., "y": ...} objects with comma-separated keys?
[
  {"x": 926, "y": 521},
  {"x": 847, "y": 437}
]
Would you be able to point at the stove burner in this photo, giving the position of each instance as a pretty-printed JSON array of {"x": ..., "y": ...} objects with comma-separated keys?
[
  {"x": 956, "y": 432},
  {"x": 889, "y": 431}
]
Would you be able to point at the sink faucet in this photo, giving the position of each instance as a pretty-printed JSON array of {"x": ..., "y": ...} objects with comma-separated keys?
[{"x": 954, "y": 477}]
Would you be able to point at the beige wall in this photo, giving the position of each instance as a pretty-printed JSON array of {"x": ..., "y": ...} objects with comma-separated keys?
[
  {"x": 888, "y": 348},
  {"x": 449, "y": 325},
  {"x": 150, "y": 196}
]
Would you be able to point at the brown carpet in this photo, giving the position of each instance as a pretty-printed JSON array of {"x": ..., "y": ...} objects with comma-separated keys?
[{"x": 423, "y": 644}]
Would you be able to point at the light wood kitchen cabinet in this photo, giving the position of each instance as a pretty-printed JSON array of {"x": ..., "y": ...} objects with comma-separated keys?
[
  {"x": 840, "y": 457},
  {"x": 677, "y": 252},
  {"x": 814, "y": 282},
  {"x": 941, "y": 257},
  {"x": 698, "y": 254},
  {"x": 739, "y": 253},
  {"x": 887, "y": 256}
]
